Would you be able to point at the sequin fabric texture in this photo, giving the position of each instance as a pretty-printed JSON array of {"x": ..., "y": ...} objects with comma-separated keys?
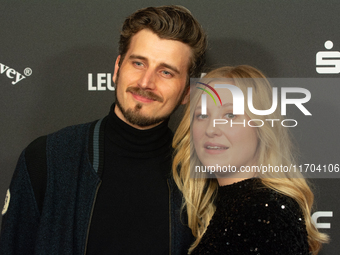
[{"x": 253, "y": 219}]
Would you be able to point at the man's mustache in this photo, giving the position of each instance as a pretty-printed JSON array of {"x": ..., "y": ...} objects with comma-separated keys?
[{"x": 144, "y": 93}]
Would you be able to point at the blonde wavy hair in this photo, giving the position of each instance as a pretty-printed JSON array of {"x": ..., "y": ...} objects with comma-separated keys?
[{"x": 274, "y": 147}]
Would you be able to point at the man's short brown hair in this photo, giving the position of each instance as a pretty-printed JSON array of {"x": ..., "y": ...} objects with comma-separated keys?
[{"x": 168, "y": 22}]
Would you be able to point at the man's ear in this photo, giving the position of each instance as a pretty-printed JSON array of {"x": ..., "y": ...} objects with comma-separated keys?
[
  {"x": 116, "y": 69},
  {"x": 187, "y": 95}
]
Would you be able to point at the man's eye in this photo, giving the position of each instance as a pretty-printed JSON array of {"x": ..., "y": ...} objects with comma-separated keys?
[
  {"x": 230, "y": 115},
  {"x": 139, "y": 64},
  {"x": 166, "y": 73}
]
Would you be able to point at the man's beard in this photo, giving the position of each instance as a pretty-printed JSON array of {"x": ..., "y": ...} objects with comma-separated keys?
[{"x": 134, "y": 116}]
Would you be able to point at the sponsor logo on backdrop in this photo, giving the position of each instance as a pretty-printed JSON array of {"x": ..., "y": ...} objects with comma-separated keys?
[
  {"x": 100, "y": 82},
  {"x": 328, "y": 62},
  {"x": 238, "y": 106},
  {"x": 6, "y": 204},
  {"x": 14, "y": 75},
  {"x": 322, "y": 214}
]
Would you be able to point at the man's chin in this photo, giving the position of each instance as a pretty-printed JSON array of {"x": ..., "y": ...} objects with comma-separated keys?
[
  {"x": 139, "y": 119},
  {"x": 135, "y": 116}
]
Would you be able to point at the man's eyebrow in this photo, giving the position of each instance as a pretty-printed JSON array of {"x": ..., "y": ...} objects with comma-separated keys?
[{"x": 137, "y": 57}]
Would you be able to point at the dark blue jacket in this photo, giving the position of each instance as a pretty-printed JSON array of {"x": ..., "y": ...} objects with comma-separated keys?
[{"x": 69, "y": 187}]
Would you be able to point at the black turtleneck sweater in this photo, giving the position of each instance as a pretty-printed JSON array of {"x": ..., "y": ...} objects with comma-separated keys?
[{"x": 131, "y": 213}]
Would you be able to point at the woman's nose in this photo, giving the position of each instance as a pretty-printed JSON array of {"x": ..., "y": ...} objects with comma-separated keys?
[{"x": 213, "y": 129}]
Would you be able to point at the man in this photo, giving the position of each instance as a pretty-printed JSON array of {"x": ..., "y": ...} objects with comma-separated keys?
[{"x": 105, "y": 187}]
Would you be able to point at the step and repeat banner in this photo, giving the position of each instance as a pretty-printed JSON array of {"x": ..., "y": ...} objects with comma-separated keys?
[{"x": 57, "y": 61}]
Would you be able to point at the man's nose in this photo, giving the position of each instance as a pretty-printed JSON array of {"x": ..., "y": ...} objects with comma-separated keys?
[{"x": 147, "y": 79}]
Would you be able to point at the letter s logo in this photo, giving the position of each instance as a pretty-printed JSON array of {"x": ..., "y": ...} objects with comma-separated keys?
[{"x": 329, "y": 61}]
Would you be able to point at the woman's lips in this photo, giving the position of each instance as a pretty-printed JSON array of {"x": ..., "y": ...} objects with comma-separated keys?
[{"x": 215, "y": 148}]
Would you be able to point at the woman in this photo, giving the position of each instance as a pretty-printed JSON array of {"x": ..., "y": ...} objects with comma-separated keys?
[{"x": 241, "y": 213}]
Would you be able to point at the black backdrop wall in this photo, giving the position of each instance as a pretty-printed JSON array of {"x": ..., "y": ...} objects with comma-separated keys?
[{"x": 62, "y": 54}]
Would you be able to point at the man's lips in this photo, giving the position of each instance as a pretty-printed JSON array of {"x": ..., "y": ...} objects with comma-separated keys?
[{"x": 142, "y": 99}]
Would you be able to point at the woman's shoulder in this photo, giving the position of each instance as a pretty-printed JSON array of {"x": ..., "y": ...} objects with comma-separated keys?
[
  {"x": 267, "y": 205},
  {"x": 266, "y": 219},
  {"x": 252, "y": 194},
  {"x": 270, "y": 200}
]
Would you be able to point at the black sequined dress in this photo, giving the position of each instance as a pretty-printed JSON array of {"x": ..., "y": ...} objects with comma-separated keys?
[{"x": 253, "y": 219}]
